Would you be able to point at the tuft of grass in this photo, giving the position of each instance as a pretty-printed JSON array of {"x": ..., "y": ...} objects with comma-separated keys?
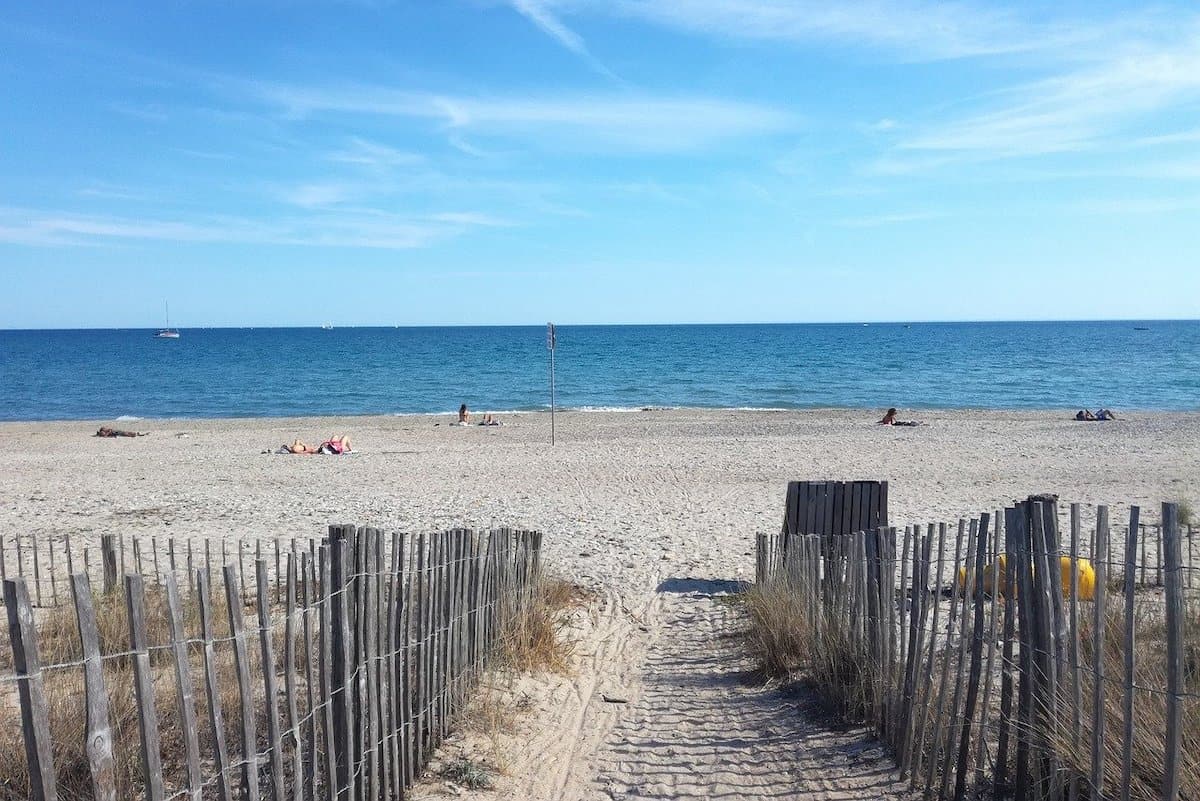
[
  {"x": 1187, "y": 513},
  {"x": 536, "y": 638},
  {"x": 789, "y": 644},
  {"x": 493, "y": 714},
  {"x": 469, "y": 773},
  {"x": 1149, "y": 709}
]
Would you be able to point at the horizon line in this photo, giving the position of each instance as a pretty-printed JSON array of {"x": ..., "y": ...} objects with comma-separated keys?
[{"x": 621, "y": 324}]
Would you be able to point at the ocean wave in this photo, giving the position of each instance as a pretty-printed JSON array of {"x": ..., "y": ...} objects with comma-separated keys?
[
  {"x": 617, "y": 408},
  {"x": 474, "y": 412},
  {"x": 128, "y": 417}
]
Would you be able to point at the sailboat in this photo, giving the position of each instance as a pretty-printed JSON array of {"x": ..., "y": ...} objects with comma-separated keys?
[{"x": 168, "y": 332}]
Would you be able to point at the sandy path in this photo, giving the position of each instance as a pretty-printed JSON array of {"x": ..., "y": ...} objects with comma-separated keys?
[
  {"x": 700, "y": 725},
  {"x": 665, "y": 704}
]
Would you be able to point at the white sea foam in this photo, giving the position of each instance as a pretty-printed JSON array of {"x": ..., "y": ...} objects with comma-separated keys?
[
  {"x": 474, "y": 412},
  {"x": 128, "y": 417}
]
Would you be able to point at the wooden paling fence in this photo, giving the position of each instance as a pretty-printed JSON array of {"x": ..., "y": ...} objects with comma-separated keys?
[
  {"x": 48, "y": 560},
  {"x": 338, "y": 691},
  {"x": 1010, "y": 656}
]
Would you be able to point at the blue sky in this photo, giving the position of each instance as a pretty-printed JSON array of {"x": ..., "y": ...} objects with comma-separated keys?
[{"x": 481, "y": 161}]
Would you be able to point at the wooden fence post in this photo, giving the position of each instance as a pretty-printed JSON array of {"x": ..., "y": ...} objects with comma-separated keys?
[
  {"x": 936, "y": 744},
  {"x": 326, "y": 673},
  {"x": 927, "y": 676},
  {"x": 270, "y": 684},
  {"x": 53, "y": 574},
  {"x": 108, "y": 552},
  {"x": 1099, "y": 680},
  {"x": 1173, "y": 559},
  {"x": 391, "y": 665},
  {"x": 98, "y": 735},
  {"x": 307, "y": 598},
  {"x": 290, "y": 672},
  {"x": 1026, "y": 608},
  {"x": 143, "y": 684},
  {"x": 1052, "y": 628},
  {"x": 369, "y": 714},
  {"x": 1074, "y": 645},
  {"x": 1131, "y": 543},
  {"x": 212, "y": 685},
  {"x": 976, "y": 589},
  {"x": 1008, "y": 576},
  {"x": 340, "y": 680},
  {"x": 184, "y": 698},
  {"x": 27, "y": 667},
  {"x": 241, "y": 665},
  {"x": 37, "y": 567},
  {"x": 953, "y": 713}
]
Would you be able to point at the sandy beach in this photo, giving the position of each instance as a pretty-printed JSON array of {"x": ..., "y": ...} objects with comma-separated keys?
[{"x": 654, "y": 511}]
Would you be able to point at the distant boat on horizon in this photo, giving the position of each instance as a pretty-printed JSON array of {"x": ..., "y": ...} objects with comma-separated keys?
[
  {"x": 168, "y": 332},
  {"x": 327, "y": 327}
]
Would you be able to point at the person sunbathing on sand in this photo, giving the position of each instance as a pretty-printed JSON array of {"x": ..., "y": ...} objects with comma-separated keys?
[
  {"x": 889, "y": 419},
  {"x": 464, "y": 416},
  {"x": 489, "y": 420},
  {"x": 333, "y": 445},
  {"x": 105, "y": 431}
]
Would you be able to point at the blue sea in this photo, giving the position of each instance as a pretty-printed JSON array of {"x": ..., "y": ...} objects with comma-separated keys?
[{"x": 274, "y": 372}]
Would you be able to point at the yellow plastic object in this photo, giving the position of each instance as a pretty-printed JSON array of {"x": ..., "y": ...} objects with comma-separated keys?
[
  {"x": 993, "y": 578},
  {"x": 1087, "y": 578}
]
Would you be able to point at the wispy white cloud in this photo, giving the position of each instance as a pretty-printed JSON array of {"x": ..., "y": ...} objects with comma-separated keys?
[
  {"x": 207, "y": 155},
  {"x": 143, "y": 113},
  {"x": 463, "y": 146},
  {"x": 652, "y": 189},
  {"x": 1177, "y": 138},
  {"x": 570, "y": 123},
  {"x": 34, "y": 227},
  {"x": 1185, "y": 169},
  {"x": 1140, "y": 205},
  {"x": 541, "y": 16},
  {"x": 107, "y": 191},
  {"x": 365, "y": 228},
  {"x": 472, "y": 218},
  {"x": 907, "y": 29},
  {"x": 1077, "y": 110},
  {"x": 876, "y": 220},
  {"x": 375, "y": 156},
  {"x": 539, "y": 13},
  {"x": 319, "y": 195}
]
